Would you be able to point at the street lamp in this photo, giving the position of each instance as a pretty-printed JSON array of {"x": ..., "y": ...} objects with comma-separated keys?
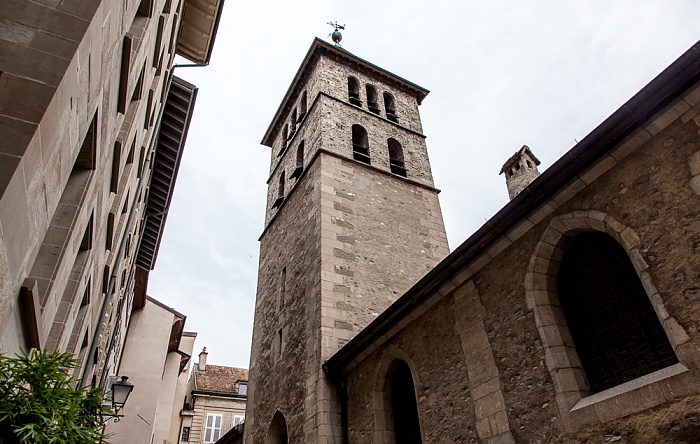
[{"x": 120, "y": 393}]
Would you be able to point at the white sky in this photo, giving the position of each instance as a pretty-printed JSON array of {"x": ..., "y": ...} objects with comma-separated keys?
[{"x": 502, "y": 74}]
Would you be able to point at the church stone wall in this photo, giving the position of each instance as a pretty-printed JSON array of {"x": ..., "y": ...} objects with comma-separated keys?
[
  {"x": 277, "y": 380},
  {"x": 645, "y": 194}
]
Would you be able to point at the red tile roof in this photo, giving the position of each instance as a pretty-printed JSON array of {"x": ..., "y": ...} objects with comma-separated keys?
[{"x": 220, "y": 379}]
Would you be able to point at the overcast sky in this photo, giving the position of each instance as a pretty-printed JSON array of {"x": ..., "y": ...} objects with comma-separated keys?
[{"x": 501, "y": 74}]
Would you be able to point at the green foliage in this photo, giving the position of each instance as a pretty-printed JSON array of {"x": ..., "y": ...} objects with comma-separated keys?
[{"x": 39, "y": 405}]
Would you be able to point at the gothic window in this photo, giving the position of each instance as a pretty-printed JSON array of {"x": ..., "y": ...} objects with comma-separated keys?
[
  {"x": 354, "y": 91},
  {"x": 280, "y": 192},
  {"x": 299, "y": 168},
  {"x": 372, "y": 103},
  {"x": 615, "y": 329},
  {"x": 396, "y": 162},
  {"x": 277, "y": 433},
  {"x": 285, "y": 136},
  {"x": 360, "y": 144},
  {"x": 302, "y": 107},
  {"x": 390, "y": 107},
  {"x": 400, "y": 404}
]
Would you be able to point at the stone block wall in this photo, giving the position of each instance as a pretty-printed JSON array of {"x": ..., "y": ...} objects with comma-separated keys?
[
  {"x": 517, "y": 375},
  {"x": 53, "y": 104}
]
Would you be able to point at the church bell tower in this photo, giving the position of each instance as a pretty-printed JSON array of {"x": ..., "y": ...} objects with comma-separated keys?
[{"x": 352, "y": 222}]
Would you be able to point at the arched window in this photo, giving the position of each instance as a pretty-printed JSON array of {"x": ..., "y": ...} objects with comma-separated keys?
[
  {"x": 396, "y": 162},
  {"x": 280, "y": 192},
  {"x": 615, "y": 329},
  {"x": 277, "y": 433},
  {"x": 354, "y": 91},
  {"x": 390, "y": 107},
  {"x": 302, "y": 107},
  {"x": 299, "y": 168},
  {"x": 360, "y": 144},
  {"x": 285, "y": 134},
  {"x": 372, "y": 102},
  {"x": 294, "y": 124},
  {"x": 400, "y": 407}
]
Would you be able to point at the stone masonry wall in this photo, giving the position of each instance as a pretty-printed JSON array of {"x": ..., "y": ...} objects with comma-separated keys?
[{"x": 514, "y": 342}]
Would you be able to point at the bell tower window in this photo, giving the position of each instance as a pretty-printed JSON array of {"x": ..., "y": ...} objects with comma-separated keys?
[
  {"x": 372, "y": 103},
  {"x": 354, "y": 91},
  {"x": 396, "y": 162},
  {"x": 390, "y": 107},
  {"x": 360, "y": 144}
]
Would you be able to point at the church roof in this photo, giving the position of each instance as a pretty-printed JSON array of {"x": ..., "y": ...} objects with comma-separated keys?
[
  {"x": 219, "y": 379},
  {"x": 518, "y": 154},
  {"x": 662, "y": 91},
  {"x": 317, "y": 48}
]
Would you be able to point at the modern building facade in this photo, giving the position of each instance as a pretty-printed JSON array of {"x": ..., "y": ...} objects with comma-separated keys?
[
  {"x": 215, "y": 402},
  {"x": 92, "y": 123},
  {"x": 570, "y": 316}
]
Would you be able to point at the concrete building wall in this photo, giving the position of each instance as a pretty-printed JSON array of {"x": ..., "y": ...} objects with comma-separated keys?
[
  {"x": 181, "y": 391},
  {"x": 66, "y": 232},
  {"x": 490, "y": 352}
]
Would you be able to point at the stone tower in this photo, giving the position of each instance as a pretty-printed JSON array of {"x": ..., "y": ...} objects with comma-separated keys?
[
  {"x": 353, "y": 220},
  {"x": 520, "y": 170}
]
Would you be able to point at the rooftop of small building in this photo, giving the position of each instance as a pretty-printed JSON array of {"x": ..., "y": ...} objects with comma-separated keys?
[{"x": 219, "y": 379}]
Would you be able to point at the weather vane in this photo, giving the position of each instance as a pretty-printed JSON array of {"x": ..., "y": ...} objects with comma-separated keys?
[{"x": 336, "y": 35}]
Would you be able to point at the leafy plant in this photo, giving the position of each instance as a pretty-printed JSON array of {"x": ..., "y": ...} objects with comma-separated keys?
[{"x": 39, "y": 405}]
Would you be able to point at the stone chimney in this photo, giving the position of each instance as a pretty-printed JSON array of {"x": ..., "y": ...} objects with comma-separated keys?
[
  {"x": 520, "y": 171},
  {"x": 202, "y": 365}
]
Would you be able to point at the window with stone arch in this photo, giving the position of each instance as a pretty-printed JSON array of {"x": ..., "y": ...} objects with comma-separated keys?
[
  {"x": 396, "y": 417},
  {"x": 280, "y": 192},
  {"x": 372, "y": 102},
  {"x": 575, "y": 346},
  {"x": 390, "y": 107},
  {"x": 285, "y": 135},
  {"x": 277, "y": 433},
  {"x": 396, "y": 162},
  {"x": 360, "y": 144},
  {"x": 354, "y": 91},
  {"x": 302, "y": 107},
  {"x": 299, "y": 167}
]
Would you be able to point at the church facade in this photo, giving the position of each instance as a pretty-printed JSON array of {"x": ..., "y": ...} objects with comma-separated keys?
[{"x": 570, "y": 316}]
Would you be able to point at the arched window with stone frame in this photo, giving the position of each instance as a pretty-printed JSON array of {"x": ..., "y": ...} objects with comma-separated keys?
[
  {"x": 354, "y": 91},
  {"x": 372, "y": 101},
  {"x": 390, "y": 107},
  {"x": 396, "y": 161},
  {"x": 283, "y": 144},
  {"x": 302, "y": 107},
  {"x": 360, "y": 144},
  {"x": 280, "y": 192},
  {"x": 299, "y": 168},
  {"x": 397, "y": 419}
]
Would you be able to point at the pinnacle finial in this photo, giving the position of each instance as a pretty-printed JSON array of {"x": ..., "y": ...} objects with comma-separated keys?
[{"x": 336, "y": 35}]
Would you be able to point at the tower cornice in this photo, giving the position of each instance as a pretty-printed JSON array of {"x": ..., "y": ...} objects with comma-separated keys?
[{"x": 318, "y": 48}]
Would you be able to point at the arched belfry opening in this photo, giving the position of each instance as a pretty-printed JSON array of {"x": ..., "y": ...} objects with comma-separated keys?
[
  {"x": 277, "y": 433},
  {"x": 400, "y": 407},
  {"x": 354, "y": 91},
  {"x": 613, "y": 324},
  {"x": 396, "y": 162},
  {"x": 360, "y": 144}
]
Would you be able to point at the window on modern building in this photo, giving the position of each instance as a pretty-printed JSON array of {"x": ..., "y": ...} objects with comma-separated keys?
[
  {"x": 390, "y": 107},
  {"x": 302, "y": 107},
  {"x": 242, "y": 388},
  {"x": 402, "y": 410},
  {"x": 372, "y": 102},
  {"x": 354, "y": 91},
  {"x": 212, "y": 430},
  {"x": 614, "y": 327},
  {"x": 285, "y": 135},
  {"x": 396, "y": 162},
  {"x": 360, "y": 144},
  {"x": 280, "y": 192},
  {"x": 277, "y": 433},
  {"x": 238, "y": 419},
  {"x": 185, "y": 437},
  {"x": 299, "y": 168}
]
